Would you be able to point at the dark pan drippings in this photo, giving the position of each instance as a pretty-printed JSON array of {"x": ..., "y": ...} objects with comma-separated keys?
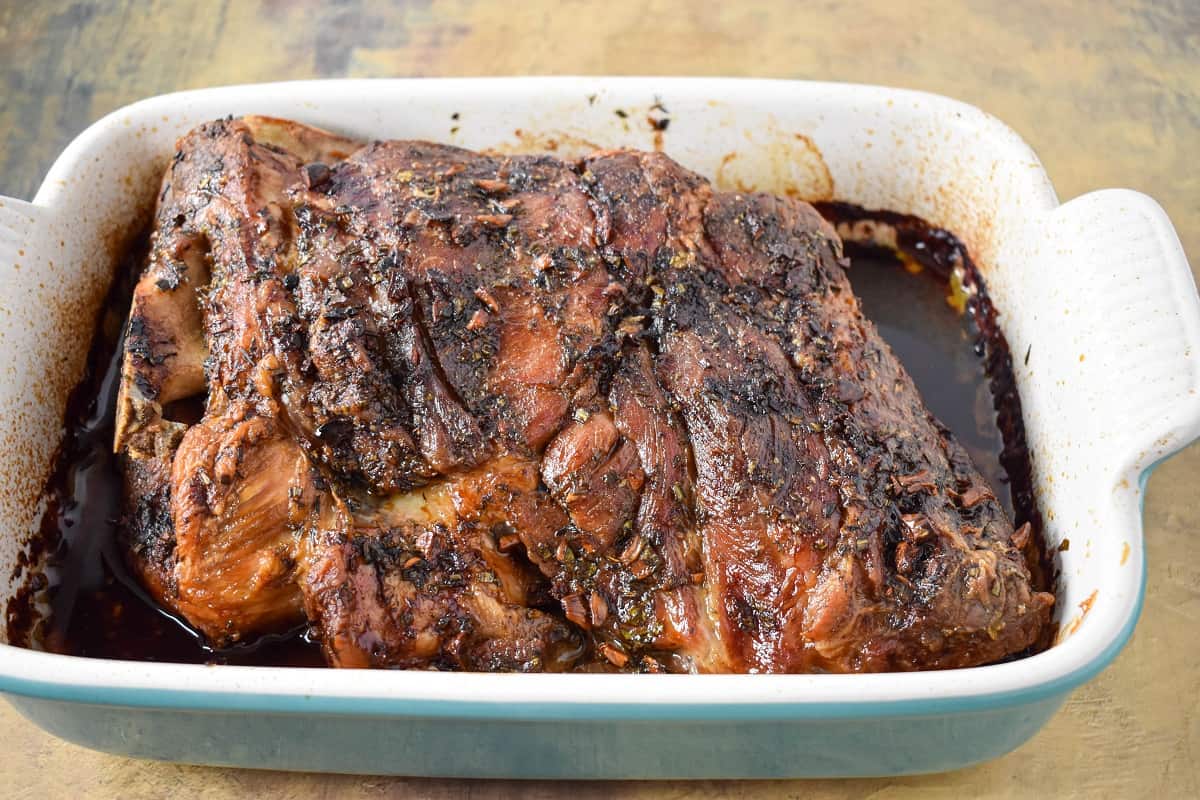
[
  {"x": 960, "y": 362},
  {"x": 1004, "y": 459}
]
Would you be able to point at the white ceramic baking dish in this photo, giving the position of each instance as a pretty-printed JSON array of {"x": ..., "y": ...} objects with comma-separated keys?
[{"x": 1095, "y": 296}]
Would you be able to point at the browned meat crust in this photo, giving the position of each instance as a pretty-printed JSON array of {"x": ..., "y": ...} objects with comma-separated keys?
[{"x": 478, "y": 412}]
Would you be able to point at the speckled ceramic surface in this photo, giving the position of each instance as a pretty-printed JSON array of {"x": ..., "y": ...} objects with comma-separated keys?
[{"x": 1096, "y": 293}]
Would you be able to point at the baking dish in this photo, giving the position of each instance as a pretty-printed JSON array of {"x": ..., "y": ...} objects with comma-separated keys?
[{"x": 1096, "y": 299}]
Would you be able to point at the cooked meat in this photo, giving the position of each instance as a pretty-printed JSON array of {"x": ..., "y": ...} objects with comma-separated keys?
[
  {"x": 469, "y": 411},
  {"x": 424, "y": 579},
  {"x": 240, "y": 486}
]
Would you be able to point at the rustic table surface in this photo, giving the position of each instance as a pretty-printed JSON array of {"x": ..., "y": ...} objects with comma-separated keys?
[{"x": 1107, "y": 93}]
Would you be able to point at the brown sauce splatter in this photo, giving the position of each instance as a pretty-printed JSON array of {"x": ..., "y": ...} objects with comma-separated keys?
[{"x": 960, "y": 361}]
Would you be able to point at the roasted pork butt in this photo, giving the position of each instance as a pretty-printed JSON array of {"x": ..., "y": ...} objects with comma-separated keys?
[{"x": 468, "y": 411}]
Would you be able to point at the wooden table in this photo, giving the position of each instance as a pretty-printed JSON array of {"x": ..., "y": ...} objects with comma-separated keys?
[{"x": 1107, "y": 93}]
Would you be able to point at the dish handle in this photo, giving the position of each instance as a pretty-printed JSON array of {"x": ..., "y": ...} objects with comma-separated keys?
[
  {"x": 1138, "y": 282},
  {"x": 19, "y": 220}
]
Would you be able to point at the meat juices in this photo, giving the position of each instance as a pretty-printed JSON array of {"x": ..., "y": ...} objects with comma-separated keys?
[{"x": 480, "y": 412}]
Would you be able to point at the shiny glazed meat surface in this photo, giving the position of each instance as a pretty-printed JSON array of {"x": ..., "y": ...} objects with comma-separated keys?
[{"x": 467, "y": 411}]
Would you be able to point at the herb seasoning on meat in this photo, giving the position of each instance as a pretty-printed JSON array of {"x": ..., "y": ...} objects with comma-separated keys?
[{"x": 448, "y": 410}]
